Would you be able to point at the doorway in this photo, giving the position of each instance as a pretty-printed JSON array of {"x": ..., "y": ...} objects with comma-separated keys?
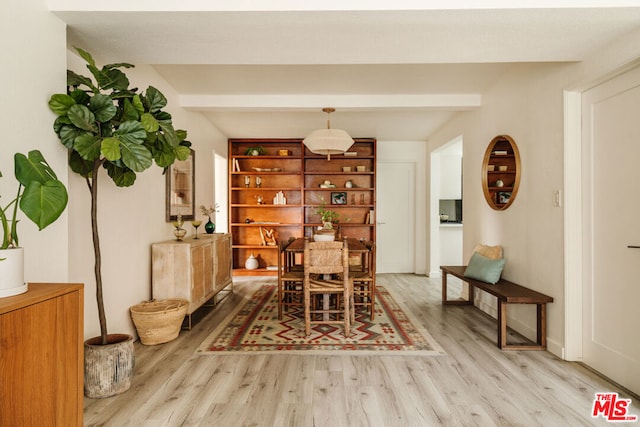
[{"x": 446, "y": 206}]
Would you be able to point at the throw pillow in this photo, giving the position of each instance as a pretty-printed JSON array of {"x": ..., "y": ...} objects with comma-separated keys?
[
  {"x": 484, "y": 269},
  {"x": 493, "y": 252}
]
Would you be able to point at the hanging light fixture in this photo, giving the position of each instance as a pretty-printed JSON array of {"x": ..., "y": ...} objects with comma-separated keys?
[{"x": 328, "y": 141}]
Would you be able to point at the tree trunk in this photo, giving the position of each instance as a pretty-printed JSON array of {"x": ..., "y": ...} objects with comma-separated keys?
[{"x": 93, "y": 186}]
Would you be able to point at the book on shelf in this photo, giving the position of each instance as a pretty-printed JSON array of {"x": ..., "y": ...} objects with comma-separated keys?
[
  {"x": 500, "y": 153},
  {"x": 236, "y": 165},
  {"x": 371, "y": 217}
]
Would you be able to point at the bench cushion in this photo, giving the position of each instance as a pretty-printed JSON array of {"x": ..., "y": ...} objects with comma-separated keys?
[{"x": 484, "y": 269}]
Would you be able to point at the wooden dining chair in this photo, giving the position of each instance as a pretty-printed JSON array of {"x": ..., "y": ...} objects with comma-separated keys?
[
  {"x": 323, "y": 261},
  {"x": 290, "y": 279},
  {"x": 364, "y": 280}
]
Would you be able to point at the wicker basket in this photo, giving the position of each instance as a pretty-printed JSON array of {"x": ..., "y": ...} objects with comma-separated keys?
[{"x": 159, "y": 321}]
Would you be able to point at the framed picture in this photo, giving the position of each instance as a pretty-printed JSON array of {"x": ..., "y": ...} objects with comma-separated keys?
[
  {"x": 339, "y": 198},
  {"x": 181, "y": 189},
  {"x": 503, "y": 197}
]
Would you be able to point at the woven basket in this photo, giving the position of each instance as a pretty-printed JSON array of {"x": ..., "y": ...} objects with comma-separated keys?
[{"x": 159, "y": 321}]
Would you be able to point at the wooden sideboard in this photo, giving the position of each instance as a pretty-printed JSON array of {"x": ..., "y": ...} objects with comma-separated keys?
[
  {"x": 42, "y": 356},
  {"x": 192, "y": 269}
]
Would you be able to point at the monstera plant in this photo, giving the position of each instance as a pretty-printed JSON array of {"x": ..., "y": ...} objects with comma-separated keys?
[{"x": 109, "y": 127}]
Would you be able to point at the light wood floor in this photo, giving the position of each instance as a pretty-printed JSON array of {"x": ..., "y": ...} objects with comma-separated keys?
[{"x": 475, "y": 384}]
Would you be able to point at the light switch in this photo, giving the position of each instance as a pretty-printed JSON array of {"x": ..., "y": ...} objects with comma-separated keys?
[{"x": 557, "y": 198}]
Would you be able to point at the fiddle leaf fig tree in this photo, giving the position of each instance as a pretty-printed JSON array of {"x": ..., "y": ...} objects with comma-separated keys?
[{"x": 107, "y": 125}]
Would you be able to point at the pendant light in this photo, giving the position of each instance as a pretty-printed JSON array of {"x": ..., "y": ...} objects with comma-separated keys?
[{"x": 328, "y": 141}]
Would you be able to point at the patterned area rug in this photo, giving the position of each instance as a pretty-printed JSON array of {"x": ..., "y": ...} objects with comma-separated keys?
[{"x": 253, "y": 327}]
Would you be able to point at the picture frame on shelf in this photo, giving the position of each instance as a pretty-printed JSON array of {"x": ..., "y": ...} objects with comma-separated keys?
[
  {"x": 503, "y": 197},
  {"x": 338, "y": 198}
]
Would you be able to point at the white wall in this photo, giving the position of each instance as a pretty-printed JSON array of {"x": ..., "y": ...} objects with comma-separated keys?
[
  {"x": 33, "y": 45},
  {"x": 529, "y": 107},
  {"x": 132, "y": 218}
]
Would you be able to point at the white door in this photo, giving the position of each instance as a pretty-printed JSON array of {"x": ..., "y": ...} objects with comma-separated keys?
[
  {"x": 395, "y": 207},
  {"x": 611, "y": 137}
]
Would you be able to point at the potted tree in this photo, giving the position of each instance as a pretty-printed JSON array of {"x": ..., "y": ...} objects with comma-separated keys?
[
  {"x": 42, "y": 198},
  {"x": 108, "y": 126}
]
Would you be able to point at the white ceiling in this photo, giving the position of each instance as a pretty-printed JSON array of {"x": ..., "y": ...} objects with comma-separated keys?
[{"x": 393, "y": 70}]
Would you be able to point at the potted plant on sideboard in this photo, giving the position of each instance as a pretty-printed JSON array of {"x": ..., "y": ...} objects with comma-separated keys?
[
  {"x": 42, "y": 198},
  {"x": 107, "y": 125}
]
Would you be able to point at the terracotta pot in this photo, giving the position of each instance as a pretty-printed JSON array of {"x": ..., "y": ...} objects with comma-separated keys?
[{"x": 108, "y": 369}]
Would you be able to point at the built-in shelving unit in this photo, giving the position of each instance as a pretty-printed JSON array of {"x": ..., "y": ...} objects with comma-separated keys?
[
  {"x": 287, "y": 169},
  {"x": 501, "y": 172}
]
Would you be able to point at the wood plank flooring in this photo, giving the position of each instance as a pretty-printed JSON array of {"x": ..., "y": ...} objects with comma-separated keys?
[{"x": 475, "y": 384}]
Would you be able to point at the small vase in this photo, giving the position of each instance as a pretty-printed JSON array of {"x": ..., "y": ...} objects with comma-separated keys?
[
  {"x": 209, "y": 227},
  {"x": 251, "y": 263},
  {"x": 179, "y": 232}
]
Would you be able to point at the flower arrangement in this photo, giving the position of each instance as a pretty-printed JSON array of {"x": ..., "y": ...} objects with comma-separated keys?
[
  {"x": 208, "y": 210},
  {"x": 328, "y": 217}
]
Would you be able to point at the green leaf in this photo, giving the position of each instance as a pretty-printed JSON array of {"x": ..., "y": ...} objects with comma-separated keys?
[
  {"x": 80, "y": 96},
  {"x": 82, "y": 118},
  {"x": 164, "y": 159},
  {"x": 86, "y": 56},
  {"x": 149, "y": 123},
  {"x": 111, "y": 149},
  {"x": 79, "y": 165},
  {"x": 170, "y": 134},
  {"x": 131, "y": 131},
  {"x": 59, "y": 122},
  {"x": 137, "y": 104},
  {"x": 182, "y": 152},
  {"x": 33, "y": 168},
  {"x": 60, "y": 104},
  {"x": 112, "y": 79},
  {"x": 122, "y": 177},
  {"x": 155, "y": 99},
  {"x": 129, "y": 112},
  {"x": 182, "y": 134},
  {"x": 135, "y": 156},
  {"x": 44, "y": 203},
  {"x": 68, "y": 135},
  {"x": 75, "y": 80},
  {"x": 103, "y": 108},
  {"x": 88, "y": 146}
]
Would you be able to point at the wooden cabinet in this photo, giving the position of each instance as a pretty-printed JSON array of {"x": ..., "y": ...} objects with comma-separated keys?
[
  {"x": 287, "y": 169},
  {"x": 192, "y": 269},
  {"x": 501, "y": 172},
  {"x": 41, "y": 356}
]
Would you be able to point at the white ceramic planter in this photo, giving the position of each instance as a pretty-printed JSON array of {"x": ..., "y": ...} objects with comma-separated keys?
[{"x": 12, "y": 272}]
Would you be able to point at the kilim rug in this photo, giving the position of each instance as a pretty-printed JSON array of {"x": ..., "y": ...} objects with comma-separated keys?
[{"x": 253, "y": 327}]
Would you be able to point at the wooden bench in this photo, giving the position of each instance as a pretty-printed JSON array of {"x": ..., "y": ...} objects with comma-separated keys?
[{"x": 507, "y": 293}]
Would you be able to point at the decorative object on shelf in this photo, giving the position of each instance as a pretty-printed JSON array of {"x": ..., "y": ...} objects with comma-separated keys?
[
  {"x": 491, "y": 168},
  {"x": 210, "y": 226},
  {"x": 258, "y": 182},
  {"x": 279, "y": 198},
  {"x": 503, "y": 197},
  {"x": 251, "y": 263},
  {"x": 327, "y": 217},
  {"x": 328, "y": 141},
  {"x": 283, "y": 152},
  {"x": 179, "y": 232},
  {"x": 260, "y": 199},
  {"x": 268, "y": 236},
  {"x": 346, "y": 169},
  {"x": 499, "y": 183},
  {"x": 444, "y": 217},
  {"x": 361, "y": 168},
  {"x": 195, "y": 225},
  {"x": 348, "y": 184},
  {"x": 327, "y": 184},
  {"x": 255, "y": 151},
  {"x": 339, "y": 198},
  {"x": 247, "y": 181},
  {"x": 502, "y": 168}
]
